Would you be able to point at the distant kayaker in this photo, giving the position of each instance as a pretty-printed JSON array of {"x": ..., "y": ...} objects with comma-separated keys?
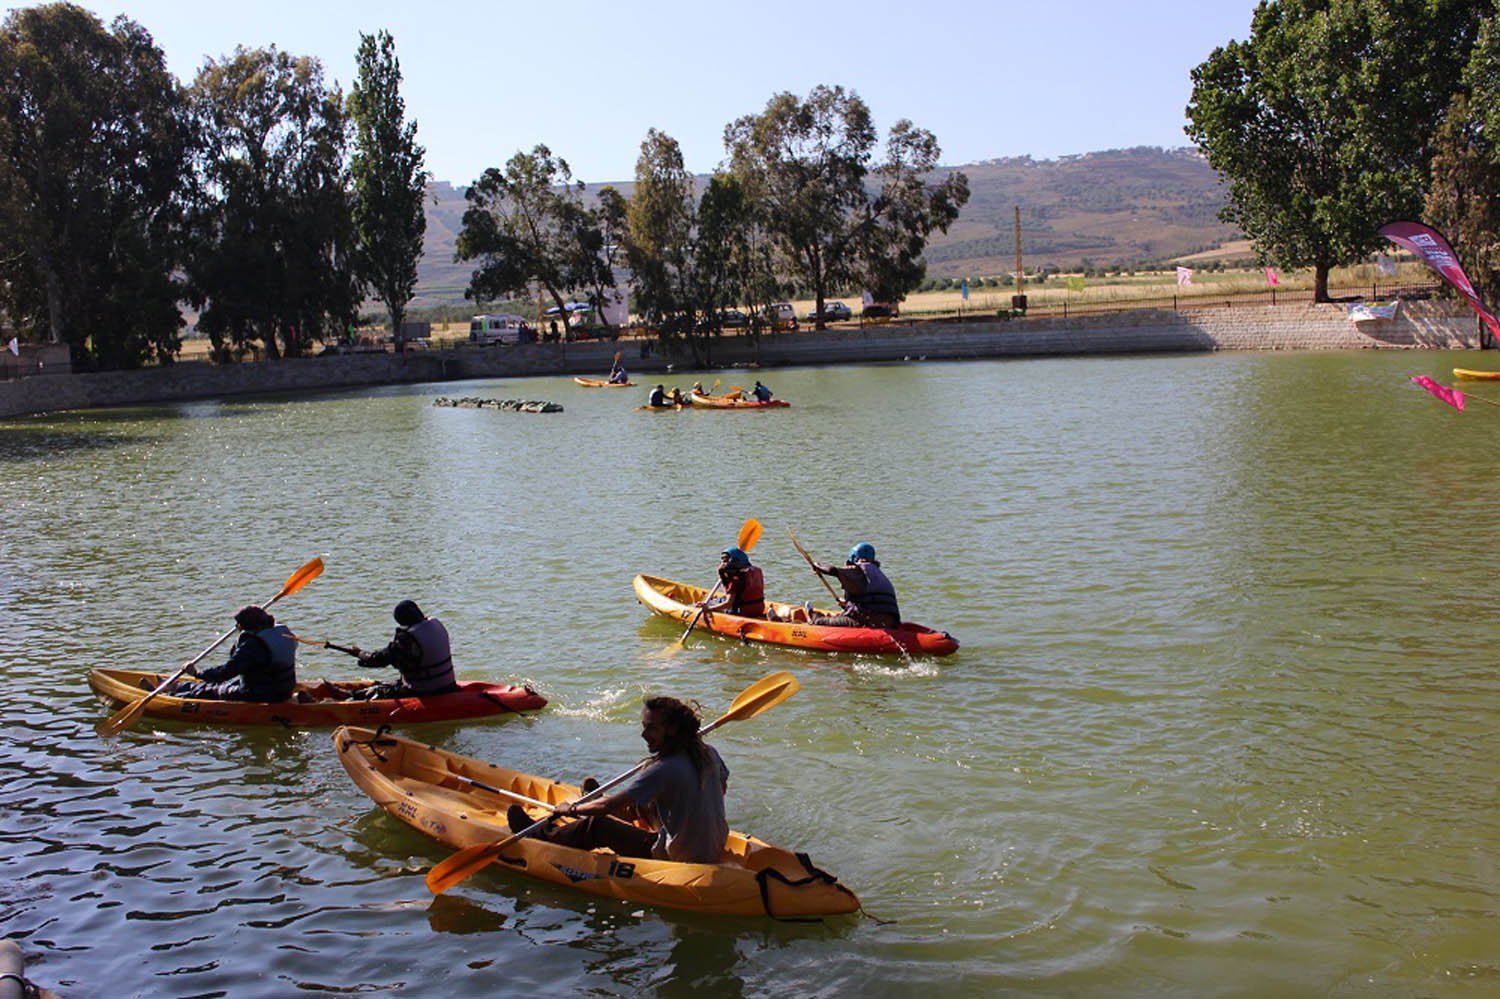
[
  {"x": 617, "y": 375},
  {"x": 869, "y": 596},
  {"x": 761, "y": 393},
  {"x": 680, "y": 794},
  {"x": 419, "y": 650},
  {"x": 658, "y": 398},
  {"x": 744, "y": 586},
  {"x": 261, "y": 667}
]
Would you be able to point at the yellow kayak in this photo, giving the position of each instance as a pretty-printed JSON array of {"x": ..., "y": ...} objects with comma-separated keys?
[
  {"x": 1476, "y": 376},
  {"x": 462, "y": 802}
]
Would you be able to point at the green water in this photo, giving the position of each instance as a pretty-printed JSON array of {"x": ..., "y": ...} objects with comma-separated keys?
[{"x": 1225, "y": 722}]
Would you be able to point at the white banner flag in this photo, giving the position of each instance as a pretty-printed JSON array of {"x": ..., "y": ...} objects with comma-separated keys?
[
  {"x": 1384, "y": 264},
  {"x": 1184, "y": 275},
  {"x": 15, "y": 346}
]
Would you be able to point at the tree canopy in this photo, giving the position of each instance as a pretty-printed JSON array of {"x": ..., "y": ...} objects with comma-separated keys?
[
  {"x": 805, "y": 164},
  {"x": 274, "y": 244},
  {"x": 526, "y": 225},
  {"x": 94, "y": 152},
  {"x": 1323, "y": 122}
]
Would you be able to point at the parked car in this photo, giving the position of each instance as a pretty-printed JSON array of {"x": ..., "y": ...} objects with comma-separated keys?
[
  {"x": 832, "y": 312},
  {"x": 727, "y": 320}
]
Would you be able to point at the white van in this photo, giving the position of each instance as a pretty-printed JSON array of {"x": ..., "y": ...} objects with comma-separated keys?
[
  {"x": 781, "y": 316},
  {"x": 486, "y": 330}
]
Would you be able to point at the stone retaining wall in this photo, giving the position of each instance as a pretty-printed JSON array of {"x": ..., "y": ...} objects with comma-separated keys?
[{"x": 1421, "y": 325}]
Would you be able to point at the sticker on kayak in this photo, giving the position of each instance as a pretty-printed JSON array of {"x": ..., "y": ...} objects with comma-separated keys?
[{"x": 616, "y": 870}]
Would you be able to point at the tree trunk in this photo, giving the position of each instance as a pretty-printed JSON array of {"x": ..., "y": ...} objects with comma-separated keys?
[{"x": 1320, "y": 283}]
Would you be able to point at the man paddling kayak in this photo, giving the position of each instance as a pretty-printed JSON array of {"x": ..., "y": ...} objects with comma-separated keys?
[
  {"x": 680, "y": 794},
  {"x": 261, "y": 667},
  {"x": 869, "y": 596},
  {"x": 419, "y": 649}
]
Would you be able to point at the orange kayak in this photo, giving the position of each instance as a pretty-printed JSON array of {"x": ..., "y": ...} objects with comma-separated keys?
[
  {"x": 324, "y": 703},
  {"x": 600, "y": 383},
  {"x": 679, "y": 600},
  {"x": 734, "y": 402}
]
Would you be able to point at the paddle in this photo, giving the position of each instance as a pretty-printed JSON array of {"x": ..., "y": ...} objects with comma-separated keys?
[
  {"x": 128, "y": 715},
  {"x": 325, "y": 645},
  {"x": 760, "y": 696},
  {"x": 749, "y": 535},
  {"x": 813, "y": 566}
]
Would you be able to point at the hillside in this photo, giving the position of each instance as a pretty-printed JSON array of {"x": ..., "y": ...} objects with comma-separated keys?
[{"x": 1115, "y": 207}]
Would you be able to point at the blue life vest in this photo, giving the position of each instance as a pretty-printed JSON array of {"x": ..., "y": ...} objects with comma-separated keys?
[
  {"x": 275, "y": 680},
  {"x": 434, "y": 674},
  {"x": 880, "y": 594}
]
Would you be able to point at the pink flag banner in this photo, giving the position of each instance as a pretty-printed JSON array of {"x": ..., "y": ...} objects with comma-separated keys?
[
  {"x": 1452, "y": 397},
  {"x": 1184, "y": 275},
  {"x": 1271, "y": 278},
  {"x": 1429, "y": 244}
]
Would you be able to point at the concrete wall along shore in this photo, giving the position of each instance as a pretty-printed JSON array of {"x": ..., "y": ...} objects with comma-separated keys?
[{"x": 1420, "y": 325}]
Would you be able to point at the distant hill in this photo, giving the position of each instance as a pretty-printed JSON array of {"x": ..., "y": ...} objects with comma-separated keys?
[{"x": 1120, "y": 206}]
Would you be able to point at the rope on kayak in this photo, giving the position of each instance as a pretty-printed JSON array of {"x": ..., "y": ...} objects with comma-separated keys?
[
  {"x": 763, "y": 878},
  {"x": 374, "y": 742},
  {"x": 491, "y": 697}
]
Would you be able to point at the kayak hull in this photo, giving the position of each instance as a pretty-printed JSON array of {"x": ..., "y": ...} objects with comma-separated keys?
[
  {"x": 601, "y": 383},
  {"x": 422, "y": 786},
  {"x": 1468, "y": 375},
  {"x": 676, "y": 600},
  {"x": 734, "y": 402},
  {"x": 313, "y": 705}
]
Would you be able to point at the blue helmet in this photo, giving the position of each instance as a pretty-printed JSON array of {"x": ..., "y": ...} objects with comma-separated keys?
[
  {"x": 736, "y": 558},
  {"x": 862, "y": 552}
]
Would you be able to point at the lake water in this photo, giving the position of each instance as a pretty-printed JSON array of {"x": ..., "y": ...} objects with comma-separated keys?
[{"x": 1225, "y": 722}]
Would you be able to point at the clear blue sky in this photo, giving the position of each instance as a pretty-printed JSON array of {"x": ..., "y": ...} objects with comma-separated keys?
[{"x": 990, "y": 78}]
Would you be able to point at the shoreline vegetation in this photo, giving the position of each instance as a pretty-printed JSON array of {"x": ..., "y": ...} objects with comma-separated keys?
[{"x": 1049, "y": 297}]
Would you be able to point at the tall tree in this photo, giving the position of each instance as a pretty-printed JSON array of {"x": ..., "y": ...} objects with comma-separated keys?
[
  {"x": 806, "y": 165},
  {"x": 660, "y": 220},
  {"x": 1323, "y": 122},
  {"x": 526, "y": 225},
  {"x": 274, "y": 244},
  {"x": 1464, "y": 200},
  {"x": 95, "y": 146},
  {"x": 389, "y": 180}
]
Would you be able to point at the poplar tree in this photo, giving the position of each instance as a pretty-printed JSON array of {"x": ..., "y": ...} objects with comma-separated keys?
[{"x": 389, "y": 180}]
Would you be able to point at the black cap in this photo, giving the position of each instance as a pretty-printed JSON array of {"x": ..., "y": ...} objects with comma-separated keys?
[{"x": 408, "y": 613}]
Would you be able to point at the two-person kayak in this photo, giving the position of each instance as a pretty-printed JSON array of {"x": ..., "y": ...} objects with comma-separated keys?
[
  {"x": 435, "y": 792},
  {"x": 679, "y": 601},
  {"x": 326, "y": 703},
  {"x": 600, "y": 383},
  {"x": 734, "y": 401}
]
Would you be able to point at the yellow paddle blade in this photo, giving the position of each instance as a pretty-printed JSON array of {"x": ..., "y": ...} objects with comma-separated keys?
[
  {"x": 749, "y": 534},
  {"x": 469, "y": 860},
  {"x": 759, "y": 697}
]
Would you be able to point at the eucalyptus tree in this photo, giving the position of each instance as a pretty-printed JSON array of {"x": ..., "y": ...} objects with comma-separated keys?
[
  {"x": 527, "y": 226},
  {"x": 95, "y": 147},
  {"x": 805, "y": 165},
  {"x": 660, "y": 219},
  {"x": 274, "y": 255},
  {"x": 389, "y": 180},
  {"x": 1323, "y": 122}
]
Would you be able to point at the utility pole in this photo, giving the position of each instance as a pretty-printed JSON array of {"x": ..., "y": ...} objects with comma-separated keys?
[{"x": 1018, "y": 300}]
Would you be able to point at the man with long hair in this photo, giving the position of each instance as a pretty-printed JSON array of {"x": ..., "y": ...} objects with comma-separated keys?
[{"x": 679, "y": 795}]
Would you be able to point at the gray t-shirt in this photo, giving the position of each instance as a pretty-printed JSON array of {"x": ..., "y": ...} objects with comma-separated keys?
[{"x": 691, "y": 827}]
